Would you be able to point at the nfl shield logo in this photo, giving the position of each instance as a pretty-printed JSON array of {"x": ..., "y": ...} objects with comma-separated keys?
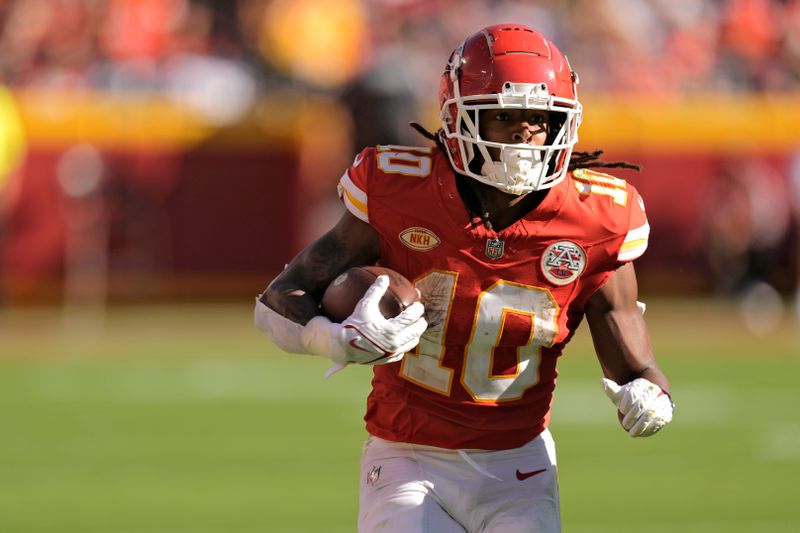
[{"x": 495, "y": 248}]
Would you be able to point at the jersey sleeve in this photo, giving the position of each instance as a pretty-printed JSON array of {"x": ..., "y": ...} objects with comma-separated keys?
[
  {"x": 352, "y": 187},
  {"x": 635, "y": 242}
]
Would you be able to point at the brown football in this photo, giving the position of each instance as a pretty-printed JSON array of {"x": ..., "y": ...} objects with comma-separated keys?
[{"x": 346, "y": 290}]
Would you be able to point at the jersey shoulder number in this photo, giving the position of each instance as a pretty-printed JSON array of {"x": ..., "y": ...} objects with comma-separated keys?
[
  {"x": 589, "y": 183},
  {"x": 376, "y": 163},
  {"x": 414, "y": 161}
]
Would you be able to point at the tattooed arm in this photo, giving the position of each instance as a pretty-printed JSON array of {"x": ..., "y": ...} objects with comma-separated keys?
[
  {"x": 288, "y": 311},
  {"x": 296, "y": 292}
]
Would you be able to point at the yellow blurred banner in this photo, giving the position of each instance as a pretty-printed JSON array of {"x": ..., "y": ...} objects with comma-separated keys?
[
  {"x": 707, "y": 124},
  {"x": 107, "y": 120},
  {"x": 12, "y": 135}
]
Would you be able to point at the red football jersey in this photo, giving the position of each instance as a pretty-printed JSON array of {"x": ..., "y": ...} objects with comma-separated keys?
[{"x": 501, "y": 305}]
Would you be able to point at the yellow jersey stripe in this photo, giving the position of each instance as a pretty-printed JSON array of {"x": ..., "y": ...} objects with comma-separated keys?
[
  {"x": 355, "y": 208},
  {"x": 635, "y": 243},
  {"x": 642, "y": 232},
  {"x": 358, "y": 209},
  {"x": 633, "y": 253},
  {"x": 353, "y": 197},
  {"x": 355, "y": 191}
]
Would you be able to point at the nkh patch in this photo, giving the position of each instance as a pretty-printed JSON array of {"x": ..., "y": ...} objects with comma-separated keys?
[
  {"x": 562, "y": 262},
  {"x": 373, "y": 475},
  {"x": 419, "y": 239},
  {"x": 495, "y": 248}
]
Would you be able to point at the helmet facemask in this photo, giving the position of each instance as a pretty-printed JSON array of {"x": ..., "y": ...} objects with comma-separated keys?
[{"x": 519, "y": 168}]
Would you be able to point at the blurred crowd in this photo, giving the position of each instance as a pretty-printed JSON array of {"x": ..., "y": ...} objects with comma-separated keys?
[
  {"x": 384, "y": 54},
  {"x": 382, "y": 60},
  {"x": 620, "y": 45},
  {"x": 217, "y": 56}
]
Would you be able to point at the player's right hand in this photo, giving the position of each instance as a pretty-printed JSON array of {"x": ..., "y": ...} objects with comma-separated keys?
[
  {"x": 366, "y": 337},
  {"x": 370, "y": 338},
  {"x": 645, "y": 407}
]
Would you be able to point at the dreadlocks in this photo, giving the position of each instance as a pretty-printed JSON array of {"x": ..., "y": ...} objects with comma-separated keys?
[
  {"x": 428, "y": 135},
  {"x": 592, "y": 160},
  {"x": 576, "y": 161}
]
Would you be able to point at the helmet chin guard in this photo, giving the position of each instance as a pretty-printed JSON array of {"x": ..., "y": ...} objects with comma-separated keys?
[
  {"x": 517, "y": 167},
  {"x": 509, "y": 67}
]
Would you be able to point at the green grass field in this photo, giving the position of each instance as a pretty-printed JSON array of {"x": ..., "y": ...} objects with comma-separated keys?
[{"x": 184, "y": 419}]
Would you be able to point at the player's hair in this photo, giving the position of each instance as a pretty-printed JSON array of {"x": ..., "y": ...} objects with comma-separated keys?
[
  {"x": 577, "y": 160},
  {"x": 592, "y": 160}
]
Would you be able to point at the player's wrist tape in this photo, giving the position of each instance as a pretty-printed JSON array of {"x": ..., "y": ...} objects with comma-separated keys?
[
  {"x": 319, "y": 337},
  {"x": 282, "y": 331},
  {"x": 323, "y": 337},
  {"x": 365, "y": 337}
]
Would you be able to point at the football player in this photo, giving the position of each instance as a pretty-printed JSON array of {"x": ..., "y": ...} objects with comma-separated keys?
[{"x": 511, "y": 240}]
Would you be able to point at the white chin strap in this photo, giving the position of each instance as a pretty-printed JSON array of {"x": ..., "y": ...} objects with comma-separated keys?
[{"x": 518, "y": 170}]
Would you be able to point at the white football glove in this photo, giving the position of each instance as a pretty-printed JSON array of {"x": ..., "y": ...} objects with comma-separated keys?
[
  {"x": 646, "y": 408},
  {"x": 366, "y": 337}
]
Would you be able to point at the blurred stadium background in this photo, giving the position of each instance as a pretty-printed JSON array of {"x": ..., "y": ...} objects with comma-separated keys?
[{"x": 161, "y": 160}]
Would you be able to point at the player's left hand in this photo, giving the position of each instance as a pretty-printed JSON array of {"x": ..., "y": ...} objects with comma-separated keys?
[{"x": 646, "y": 407}]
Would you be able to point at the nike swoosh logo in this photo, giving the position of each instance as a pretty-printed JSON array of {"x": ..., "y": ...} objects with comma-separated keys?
[
  {"x": 522, "y": 476},
  {"x": 357, "y": 160},
  {"x": 360, "y": 347},
  {"x": 354, "y": 344}
]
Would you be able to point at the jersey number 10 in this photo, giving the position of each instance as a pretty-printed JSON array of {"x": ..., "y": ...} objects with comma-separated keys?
[{"x": 494, "y": 305}]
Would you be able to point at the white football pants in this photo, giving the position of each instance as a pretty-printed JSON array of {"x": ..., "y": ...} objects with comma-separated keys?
[{"x": 408, "y": 488}]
